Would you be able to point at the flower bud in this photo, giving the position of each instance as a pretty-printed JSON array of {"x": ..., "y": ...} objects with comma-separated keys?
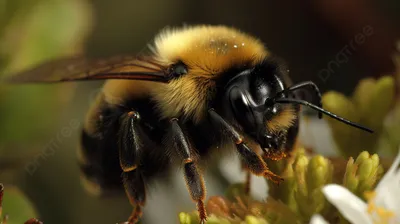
[
  {"x": 311, "y": 176},
  {"x": 381, "y": 102},
  {"x": 362, "y": 174}
]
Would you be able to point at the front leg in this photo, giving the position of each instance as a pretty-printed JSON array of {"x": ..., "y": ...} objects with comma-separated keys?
[
  {"x": 250, "y": 159},
  {"x": 194, "y": 180}
]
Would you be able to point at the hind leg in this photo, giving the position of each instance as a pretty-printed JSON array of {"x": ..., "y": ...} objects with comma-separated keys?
[
  {"x": 102, "y": 166},
  {"x": 135, "y": 190},
  {"x": 247, "y": 182}
]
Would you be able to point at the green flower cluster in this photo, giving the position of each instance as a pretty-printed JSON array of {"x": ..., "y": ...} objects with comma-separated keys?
[
  {"x": 299, "y": 196},
  {"x": 369, "y": 105}
]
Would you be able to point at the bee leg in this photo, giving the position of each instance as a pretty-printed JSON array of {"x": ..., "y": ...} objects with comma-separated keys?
[
  {"x": 194, "y": 180},
  {"x": 135, "y": 189},
  {"x": 247, "y": 184},
  {"x": 130, "y": 144},
  {"x": 252, "y": 161},
  {"x": 130, "y": 148}
]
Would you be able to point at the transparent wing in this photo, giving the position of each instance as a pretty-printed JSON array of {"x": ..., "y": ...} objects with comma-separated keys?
[{"x": 82, "y": 68}]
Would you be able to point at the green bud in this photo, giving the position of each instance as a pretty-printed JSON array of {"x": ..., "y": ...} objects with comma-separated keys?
[
  {"x": 300, "y": 169},
  {"x": 340, "y": 105},
  {"x": 184, "y": 218},
  {"x": 350, "y": 180},
  {"x": 311, "y": 175},
  {"x": 369, "y": 106},
  {"x": 365, "y": 169},
  {"x": 343, "y": 134},
  {"x": 254, "y": 220},
  {"x": 363, "y": 94},
  {"x": 284, "y": 191},
  {"x": 362, "y": 157},
  {"x": 319, "y": 172},
  {"x": 362, "y": 174},
  {"x": 381, "y": 102}
]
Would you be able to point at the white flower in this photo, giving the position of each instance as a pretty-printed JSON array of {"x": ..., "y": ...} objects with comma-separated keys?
[{"x": 382, "y": 207}]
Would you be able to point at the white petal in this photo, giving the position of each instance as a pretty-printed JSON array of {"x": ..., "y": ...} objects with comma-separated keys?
[
  {"x": 388, "y": 189},
  {"x": 318, "y": 219},
  {"x": 390, "y": 174},
  {"x": 388, "y": 197},
  {"x": 349, "y": 205}
]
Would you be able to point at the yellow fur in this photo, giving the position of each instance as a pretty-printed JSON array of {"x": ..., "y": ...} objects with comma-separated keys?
[
  {"x": 118, "y": 91},
  {"x": 283, "y": 120},
  {"x": 207, "y": 51},
  {"x": 115, "y": 92}
]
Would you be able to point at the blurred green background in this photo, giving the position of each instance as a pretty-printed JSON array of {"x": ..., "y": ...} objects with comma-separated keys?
[{"x": 40, "y": 124}]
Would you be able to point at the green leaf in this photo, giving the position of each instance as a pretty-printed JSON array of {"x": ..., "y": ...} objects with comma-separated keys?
[{"x": 40, "y": 30}]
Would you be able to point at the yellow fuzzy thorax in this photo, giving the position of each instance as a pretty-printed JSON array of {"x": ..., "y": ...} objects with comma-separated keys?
[{"x": 207, "y": 51}]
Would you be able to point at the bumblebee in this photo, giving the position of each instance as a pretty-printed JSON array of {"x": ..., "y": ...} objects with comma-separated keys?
[{"x": 202, "y": 89}]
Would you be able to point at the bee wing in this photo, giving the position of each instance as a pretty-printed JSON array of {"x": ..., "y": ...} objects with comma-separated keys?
[{"x": 81, "y": 68}]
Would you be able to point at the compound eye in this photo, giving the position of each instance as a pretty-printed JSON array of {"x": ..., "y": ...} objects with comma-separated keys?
[
  {"x": 178, "y": 69},
  {"x": 241, "y": 108}
]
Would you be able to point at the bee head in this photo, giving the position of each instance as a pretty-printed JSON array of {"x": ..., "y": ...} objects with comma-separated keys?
[
  {"x": 258, "y": 101},
  {"x": 246, "y": 95}
]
